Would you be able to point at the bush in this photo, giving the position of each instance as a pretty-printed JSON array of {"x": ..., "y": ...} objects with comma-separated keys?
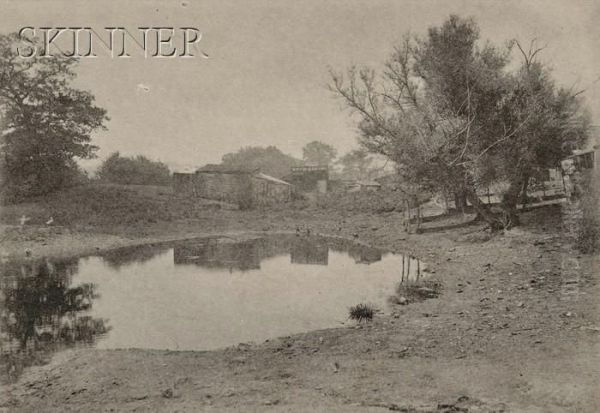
[
  {"x": 362, "y": 312},
  {"x": 16, "y": 189},
  {"x": 137, "y": 170}
]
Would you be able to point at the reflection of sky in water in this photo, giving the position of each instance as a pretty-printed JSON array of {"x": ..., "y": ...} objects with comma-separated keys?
[
  {"x": 193, "y": 295},
  {"x": 193, "y": 305}
]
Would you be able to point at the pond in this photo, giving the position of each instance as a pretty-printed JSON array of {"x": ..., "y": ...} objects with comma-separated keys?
[{"x": 195, "y": 295}]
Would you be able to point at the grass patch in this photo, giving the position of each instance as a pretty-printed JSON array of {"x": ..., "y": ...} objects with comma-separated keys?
[
  {"x": 108, "y": 206},
  {"x": 362, "y": 312}
]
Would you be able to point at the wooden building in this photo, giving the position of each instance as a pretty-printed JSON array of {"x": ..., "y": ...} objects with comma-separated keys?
[
  {"x": 310, "y": 178},
  {"x": 247, "y": 189},
  {"x": 581, "y": 160}
]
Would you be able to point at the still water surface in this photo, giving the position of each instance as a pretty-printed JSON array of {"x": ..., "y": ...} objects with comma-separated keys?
[{"x": 193, "y": 295}]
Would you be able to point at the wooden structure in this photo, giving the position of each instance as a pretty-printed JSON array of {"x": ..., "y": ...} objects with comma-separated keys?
[
  {"x": 581, "y": 160},
  {"x": 367, "y": 186},
  {"x": 248, "y": 189},
  {"x": 310, "y": 178}
]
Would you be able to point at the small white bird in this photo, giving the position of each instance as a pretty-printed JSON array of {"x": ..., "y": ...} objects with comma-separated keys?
[
  {"x": 50, "y": 221},
  {"x": 23, "y": 220}
]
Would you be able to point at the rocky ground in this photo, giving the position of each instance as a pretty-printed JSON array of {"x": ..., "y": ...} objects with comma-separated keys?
[{"x": 516, "y": 328}]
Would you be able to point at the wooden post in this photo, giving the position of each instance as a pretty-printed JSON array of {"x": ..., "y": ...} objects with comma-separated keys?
[
  {"x": 543, "y": 189},
  {"x": 407, "y": 216},
  {"x": 403, "y": 258},
  {"x": 445, "y": 195}
]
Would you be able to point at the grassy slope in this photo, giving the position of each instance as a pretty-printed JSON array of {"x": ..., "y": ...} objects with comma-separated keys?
[{"x": 105, "y": 206}]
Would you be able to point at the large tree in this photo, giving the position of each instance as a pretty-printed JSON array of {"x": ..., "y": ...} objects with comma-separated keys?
[
  {"x": 453, "y": 117},
  {"x": 47, "y": 123},
  {"x": 356, "y": 164},
  {"x": 269, "y": 160},
  {"x": 550, "y": 122},
  {"x": 318, "y": 153}
]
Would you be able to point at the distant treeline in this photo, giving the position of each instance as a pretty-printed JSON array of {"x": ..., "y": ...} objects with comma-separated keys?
[
  {"x": 137, "y": 170},
  {"x": 269, "y": 160}
]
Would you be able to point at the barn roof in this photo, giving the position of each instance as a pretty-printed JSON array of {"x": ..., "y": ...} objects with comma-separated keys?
[{"x": 271, "y": 178}]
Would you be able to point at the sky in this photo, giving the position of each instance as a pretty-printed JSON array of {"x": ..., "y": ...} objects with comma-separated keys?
[{"x": 265, "y": 80}]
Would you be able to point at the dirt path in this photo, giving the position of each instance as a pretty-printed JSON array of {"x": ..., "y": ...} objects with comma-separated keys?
[{"x": 516, "y": 329}]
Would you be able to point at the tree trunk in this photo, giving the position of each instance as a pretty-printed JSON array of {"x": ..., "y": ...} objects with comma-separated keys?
[
  {"x": 524, "y": 188},
  {"x": 483, "y": 211},
  {"x": 510, "y": 201},
  {"x": 460, "y": 201}
]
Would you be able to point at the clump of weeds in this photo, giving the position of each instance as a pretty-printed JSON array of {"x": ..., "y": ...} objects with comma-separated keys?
[{"x": 362, "y": 312}]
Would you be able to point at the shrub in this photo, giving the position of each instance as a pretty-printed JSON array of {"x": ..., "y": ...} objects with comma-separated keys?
[
  {"x": 362, "y": 312},
  {"x": 137, "y": 170}
]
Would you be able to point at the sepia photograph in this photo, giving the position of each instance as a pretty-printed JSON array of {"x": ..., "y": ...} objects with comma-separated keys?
[{"x": 300, "y": 206}]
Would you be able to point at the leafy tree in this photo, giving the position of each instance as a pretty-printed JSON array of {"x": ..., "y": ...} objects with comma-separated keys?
[
  {"x": 550, "y": 123},
  {"x": 137, "y": 170},
  {"x": 453, "y": 118},
  {"x": 269, "y": 160},
  {"x": 318, "y": 153},
  {"x": 47, "y": 124},
  {"x": 356, "y": 164}
]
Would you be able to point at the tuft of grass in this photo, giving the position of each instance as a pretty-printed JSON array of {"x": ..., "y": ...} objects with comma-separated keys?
[{"x": 362, "y": 312}]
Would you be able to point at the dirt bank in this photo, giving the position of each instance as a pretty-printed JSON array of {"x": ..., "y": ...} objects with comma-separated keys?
[{"x": 516, "y": 329}]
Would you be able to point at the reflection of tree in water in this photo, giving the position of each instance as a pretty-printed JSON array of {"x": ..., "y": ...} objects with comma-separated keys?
[
  {"x": 364, "y": 255},
  {"x": 413, "y": 287},
  {"x": 409, "y": 274},
  {"x": 136, "y": 254},
  {"x": 40, "y": 314}
]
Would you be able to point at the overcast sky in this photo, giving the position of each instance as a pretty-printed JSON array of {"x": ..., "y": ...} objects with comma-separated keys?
[{"x": 265, "y": 80}]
